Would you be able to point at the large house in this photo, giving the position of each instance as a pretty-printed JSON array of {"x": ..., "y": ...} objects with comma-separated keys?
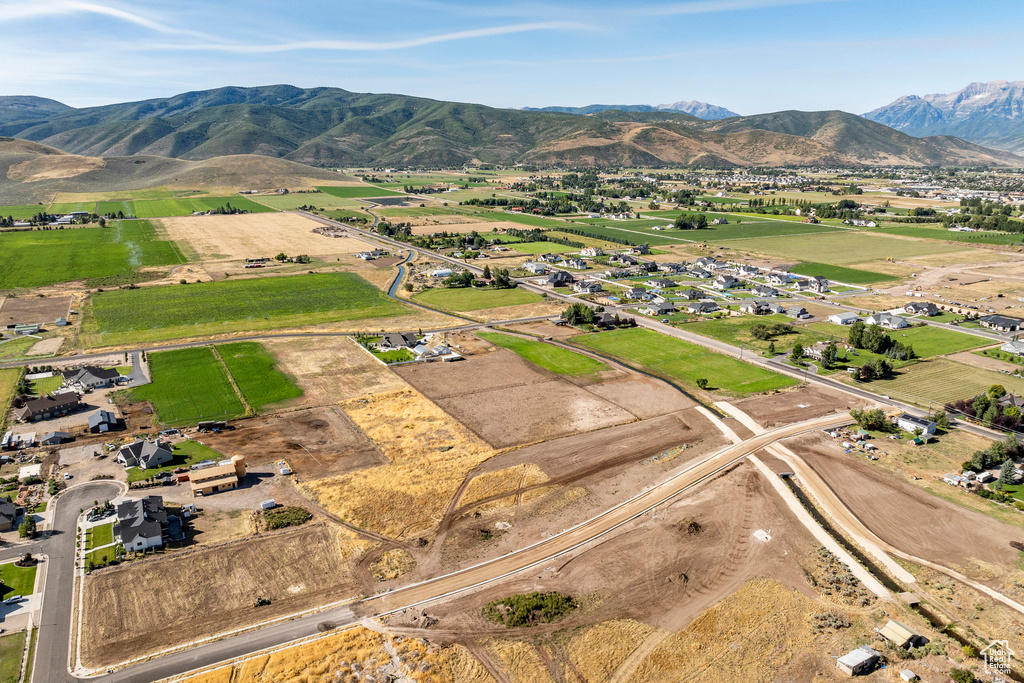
[
  {"x": 397, "y": 340},
  {"x": 845, "y": 318},
  {"x": 591, "y": 251},
  {"x": 756, "y": 307},
  {"x": 764, "y": 291},
  {"x": 48, "y": 407},
  {"x": 748, "y": 271},
  {"x": 709, "y": 263},
  {"x": 817, "y": 284},
  {"x": 702, "y": 307},
  {"x": 549, "y": 258},
  {"x": 724, "y": 282},
  {"x": 535, "y": 268},
  {"x": 638, "y": 294},
  {"x": 1014, "y": 347},
  {"x": 141, "y": 523},
  {"x": 577, "y": 263},
  {"x": 91, "y": 377},
  {"x": 910, "y": 423},
  {"x": 663, "y": 308},
  {"x": 144, "y": 455},
  {"x": 921, "y": 308},
  {"x": 1001, "y": 323},
  {"x": 797, "y": 311},
  {"x": 560, "y": 278},
  {"x": 660, "y": 283},
  {"x": 698, "y": 272},
  {"x": 887, "y": 320},
  {"x": 778, "y": 279},
  {"x": 587, "y": 287},
  {"x": 690, "y": 294}
]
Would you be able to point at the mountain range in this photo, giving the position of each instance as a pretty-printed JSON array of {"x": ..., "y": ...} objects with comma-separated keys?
[
  {"x": 333, "y": 127},
  {"x": 991, "y": 114},
  {"x": 702, "y": 110}
]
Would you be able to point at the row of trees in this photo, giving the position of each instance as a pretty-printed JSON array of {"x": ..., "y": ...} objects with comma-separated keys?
[
  {"x": 874, "y": 339},
  {"x": 988, "y": 409}
]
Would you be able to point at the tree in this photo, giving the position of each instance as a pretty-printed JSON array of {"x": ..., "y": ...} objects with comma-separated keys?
[
  {"x": 856, "y": 336},
  {"x": 1006, "y": 473},
  {"x": 941, "y": 420},
  {"x": 828, "y": 356},
  {"x": 962, "y": 676},
  {"x": 702, "y": 383},
  {"x": 771, "y": 348},
  {"x": 27, "y": 529},
  {"x": 996, "y": 391},
  {"x": 281, "y": 257},
  {"x": 487, "y": 272},
  {"x": 797, "y": 356}
]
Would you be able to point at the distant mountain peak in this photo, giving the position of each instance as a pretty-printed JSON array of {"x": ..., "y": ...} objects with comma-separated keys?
[{"x": 702, "y": 110}]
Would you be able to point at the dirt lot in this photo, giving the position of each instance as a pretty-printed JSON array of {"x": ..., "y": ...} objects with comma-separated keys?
[
  {"x": 800, "y": 403},
  {"x": 317, "y": 443},
  {"x": 258, "y": 234},
  {"x": 330, "y": 370},
  {"x": 642, "y": 396},
  {"x": 479, "y": 392},
  {"x": 911, "y": 519},
  {"x": 545, "y": 329},
  {"x": 147, "y": 605},
  {"x": 33, "y": 310},
  {"x": 520, "y": 311}
]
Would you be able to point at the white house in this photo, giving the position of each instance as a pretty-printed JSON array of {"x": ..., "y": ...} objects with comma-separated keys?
[
  {"x": 818, "y": 284},
  {"x": 910, "y": 423},
  {"x": 577, "y": 263},
  {"x": 591, "y": 251},
  {"x": 724, "y": 282},
  {"x": 441, "y": 272},
  {"x": 535, "y": 268},
  {"x": 845, "y": 318},
  {"x": 587, "y": 287},
  {"x": 887, "y": 320},
  {"x": 778, "y": 279},
  {"x": 1014, "y": 347}
]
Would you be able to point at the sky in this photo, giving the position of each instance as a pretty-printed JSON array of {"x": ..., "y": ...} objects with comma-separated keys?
[{"x": 750, "y": 56}]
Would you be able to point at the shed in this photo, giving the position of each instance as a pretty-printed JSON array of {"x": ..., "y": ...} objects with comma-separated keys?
[
  {"x": 900, "y": 635},
  {"x": 859, "y": 661},
  {"x": 908, "y": 675}
]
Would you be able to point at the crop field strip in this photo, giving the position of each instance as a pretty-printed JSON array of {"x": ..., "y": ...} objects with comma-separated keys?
[
  {"x": 554, "y": 358},
  {"x": 255, "y": 372},
  {"x": 469, "y": 299},
  {"x": 189, "y": 385},
  {"x": 160, "y": 208},
  {"x": 851, "y": 276},
  {"x": 941, "y": 381},
  {"x": 292, "y": 201},
  {"x": 357, "y": 191},
  {"x": 683, "y": 361},
  {"x": 168, "y": 312},
  {"x": 43, "y": 257}
]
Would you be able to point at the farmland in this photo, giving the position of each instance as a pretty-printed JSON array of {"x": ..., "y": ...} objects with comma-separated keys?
[
  {"x": 170, "y": 312},
  {"x": 290, "y": 202},
  {"x": 851, "y": 276},
  {"x": 686, "y": 362},
  {"x": 44, "y": 257},
  {"x": 534, "y": 221},
  {"x": 472, "y": 299},
  {"x": 189, "y": 385},
  {"x": 844, "y": 247},
  {"x": 22, "y": 212},
  {"x": 256, "y": 374},
  {"x": 542, "y": 248},
  {"x": 8, "y": 382},
  {"x": 980, "y": 237},
  {"x": 736, "y": 331},
  {"x": 940, "y": 381},
  {"x": 556, "y": 359},
  {"x": 357, "y": 191},
  {"x": 931, "y": 341},
  {"x": 159, "y": 208}
]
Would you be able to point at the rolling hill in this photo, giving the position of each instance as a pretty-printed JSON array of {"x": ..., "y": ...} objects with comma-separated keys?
[
  {"x": 702, "y": 110},
  {"x": 991, "y": 114},
  {"x": 334, "y": 127}
]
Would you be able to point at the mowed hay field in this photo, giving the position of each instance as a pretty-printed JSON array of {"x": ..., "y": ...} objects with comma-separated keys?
[
  {"x": 356, "y": 191},
  {"x": 941, "y": 381},
  {"x": 473, "y": 299},
  {"x": 554, "y": 358},
  {"x": 8, "y": 382},
  {"x": 207, "y": 308},
  {"x": 43, "y": 257},
  {"x": 332, "y": 369},
  {"x": 140, "y": 607},
  {"x": 158, "y": 208},
  {"x": 681, "y": 360},
  {"x": 189, "y": 385},
  {"x": 429, "y": 452},
  {"x": 255, "y": 372},
  {"x": 357, "y": 653},
  {"x": 846, "y": 247},
  {"x": 251, "y": 236}
]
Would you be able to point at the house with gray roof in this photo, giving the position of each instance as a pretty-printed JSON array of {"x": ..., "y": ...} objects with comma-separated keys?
[
  {"x": 103, "y": 421},
  {"x": 140, "y": 523},
  {"x": 91, "y": 377},
  {"x": 144, "y": 455}
]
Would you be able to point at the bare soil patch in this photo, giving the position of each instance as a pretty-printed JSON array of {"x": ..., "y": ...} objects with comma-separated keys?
[
  {"x": 545, "y": 329},
  {"x": 642, "y": 396},
  {"x": 801, "y": 403},
  {"x": 252, "y": 235},
  {"x": 500, "y": 369},
  {"x": 144, "y": 606},
  {"x": 319, "y": 442},
  {"x": 911, "y": 519},
  {"x": 331, "y": 369},
  {"x": 520, "y": 311},
  {"x": 33, "y": 310},
  {"x": 46, "y": 347}
]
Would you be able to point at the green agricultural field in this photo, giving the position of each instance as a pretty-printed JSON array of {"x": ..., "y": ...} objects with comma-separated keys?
[
  {"x": 631, "y": 224},
  {"x": 8, "y": 383},
  {"x": 127, "y": 208},
  {"x": 189, "y": 385},
  {"x": 736, "y": 331},
  {"x": 533, "y": 221},
  {"x": 472, "y": 299},
  {"x": 680, "y": 360},
  {"x": 940, "y": 381},
  {"x": 556, "y": 359},
  {"x": 160, "y": 208},
  {"x": 108, "y": 255},
  {"x": 255, "y": 372},
  {"x": 23, "y": 211},
  {"x": 186, "y": 453},
  {"x": 414, "y": 211},
  {"x": 542, "y": 247},
  {"x": 931, "y": 341},
  {"x": 851, "y": 276},
  {"x": 357, "y": 191},
  {"x": 842, "y": 247},
  {"x": 292, "y": 201},
  {"x": 175, "y": 311},
  {"x": 632, "y": 236},
  {"x": 71, "y": 207},
  {"x": 985, "y": 237},
  {"x": 16, "y": 580},
  {"x": 16, "y": 348}
]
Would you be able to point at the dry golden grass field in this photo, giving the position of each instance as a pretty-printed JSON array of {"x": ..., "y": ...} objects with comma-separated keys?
[
  {"x": 429, "y": 452},
  {"x": 491, "y": 484}
]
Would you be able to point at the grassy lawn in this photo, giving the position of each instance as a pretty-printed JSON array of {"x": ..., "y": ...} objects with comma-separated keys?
[
  {"x": 11, "y": 649},
  {"x": 16, "y": 348},
  {"x": 931, "y": 341},
  {"x": 17, "y": 580},
  {"x": 1001, "y": 355},
  {"x": 189, "y": 385},
  {"x": 941, "y": 381},
  {"x": 413, "y": 211},
  {"x": 984, "y": 237},
  {"x": 22, "y": 211},
  {"x": 99, "y": 536},
  {"x": 186, "y": 453},
  {"x": 255, "y": 372},
  {"x": 681, "y": 360},
  {"x": 558, "y": 360},
  {"x": 394, "y": 356},
  {"x": 737, "y": 330},
  {"x": 108, "y": 255},
  {"x": 542, "y": 248},
  {"x": 169, "y": 312},
  {"x": 851, "y": 276},
  {"x": 44, "y": 385},
  {"x": 843, "y": 247},
  {"x": 159, "y": 208},
  {"x": 471, "y": 299}
]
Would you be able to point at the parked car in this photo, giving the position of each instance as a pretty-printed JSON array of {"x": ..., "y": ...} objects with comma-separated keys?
[
  {"x": 13, "y": 600},
  {"x": 67, "y": 476}
]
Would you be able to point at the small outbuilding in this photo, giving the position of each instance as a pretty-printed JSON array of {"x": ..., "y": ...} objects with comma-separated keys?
[
  {"x": 900, "y": 635},
  {"x": 859, "y": 661}
]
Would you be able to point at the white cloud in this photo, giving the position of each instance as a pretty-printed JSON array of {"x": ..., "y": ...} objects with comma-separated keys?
[
  {"x": 21, "y": 11},
  {"x": 714, "y": 6}
]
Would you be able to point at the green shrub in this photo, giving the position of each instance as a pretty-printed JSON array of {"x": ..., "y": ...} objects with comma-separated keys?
[{"x": 529, "y": 609}]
